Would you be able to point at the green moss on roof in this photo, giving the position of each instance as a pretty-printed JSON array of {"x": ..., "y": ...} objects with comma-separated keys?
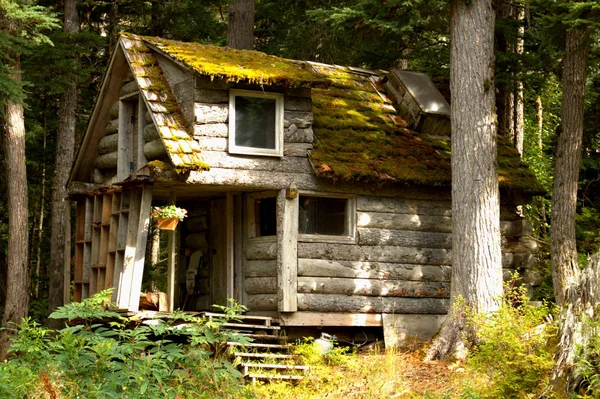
[{"x": 235, "y": 65}]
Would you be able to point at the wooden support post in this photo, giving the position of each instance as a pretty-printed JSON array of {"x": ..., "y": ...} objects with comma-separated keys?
[
  {"x": 67, "y": 266},
  {"x": 124, "y": 293},
  {"x": 238, "y": 248},
  {"x": 287, "y": 252},
  {"x": 171, "y": 263},
  {"x": 229, "y": 245}
]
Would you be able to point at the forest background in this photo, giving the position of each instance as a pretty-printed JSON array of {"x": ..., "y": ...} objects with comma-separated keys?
[{"x": 529, "y": 47}]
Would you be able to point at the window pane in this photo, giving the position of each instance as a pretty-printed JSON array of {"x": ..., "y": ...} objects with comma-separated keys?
[
  {"x": 255, "y": 122},
  {"x": 265, "y": 216},
  {"x": 321, "y": 215}
]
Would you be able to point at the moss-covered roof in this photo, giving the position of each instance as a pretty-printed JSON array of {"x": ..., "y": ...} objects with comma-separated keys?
[
  {"x": 183, "y": 150},
  {"x": 359, "y": 137}
]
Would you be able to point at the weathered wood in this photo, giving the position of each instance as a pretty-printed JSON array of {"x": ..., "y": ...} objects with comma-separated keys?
[
  {"x": 299, "y": 118},
  {"x": 261, "y": 251},
  {"x": 108, "y": 143},
  {"x": 209, "y": 96},
  {"x": 363, "y": 304},
  {"x": 287, "y": 252},
  {"x": 298, "y": 103},
  {"x": 140, "y": 250},
  {"x": 296, "y": 149},
  {"x": 154, "y": 150},
  {"x": 401, "y": 221},
  {"x": 211, "y": 130},
  {"x": 213, "y": 144},
  {"x": 261, "y": 302},
  {"x": 331, "y": 319},
  {"x": 260, "y": 268},
  {"x": 107, "y": 161},
  {"x": 516, "y": 228},
  {"x": 370, "y": 287},
  {"x": 402, "y": 238},
  {"x": 112, "y": 126},
  {"x": 371, "y": 270},
  {"x": 262, "y": 180},
  {"x": 294, "y": 135},
  {"x": 340, "y": 252},
  {"x": 220, "y": 159},
  {"x": 520, "y": 245},
  {"x": 399, "y": 205},
  {"x": 261, "y": 285},
  {"x": 114, "y": 111},
  {"x": 150, "y": 132},
  {"x": 211, "y": 113},
  {"x": 128, "y": 88},
  {"x": 524, "y": 260}
]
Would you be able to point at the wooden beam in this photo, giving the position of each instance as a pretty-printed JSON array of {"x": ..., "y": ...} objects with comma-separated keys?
[
  {"x": 171, "y": 263},
  {"x": 140, "y": 248},
  {"x": 125, "y": 283},
  {"x": 287, "y": 252},
  {"x": 331, "y": 319},
  {"x": 229, "y": 246}
]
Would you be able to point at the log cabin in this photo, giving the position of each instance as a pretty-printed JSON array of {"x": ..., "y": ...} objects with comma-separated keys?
[{"x": 317, "y": 194}]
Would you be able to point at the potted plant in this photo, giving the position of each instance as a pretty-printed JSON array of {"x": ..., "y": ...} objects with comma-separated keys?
[{"x": 168, "y": 216}]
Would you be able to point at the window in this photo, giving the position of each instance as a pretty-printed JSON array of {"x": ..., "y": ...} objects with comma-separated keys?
[
  {"x": 255, "y": 123},
  {"x": 324, "y": 218},
  {"x": 262, "y": 212}
]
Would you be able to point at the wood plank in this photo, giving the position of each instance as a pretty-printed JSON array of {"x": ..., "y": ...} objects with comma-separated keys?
[
  {"x": 331, "y": 319},
  {"x": 364, "y": 304},
  {"x": 403, "y": 238},
  {"x": 406, "y": 206},
  {"x": 287, "y": 252},
  {"x": 260, "y": 268},
  {"x": 369, "y": 287},
  {"x": 140, "y": 249},
  {"x": 341, "y": 252},
  {"x": 401, "y": 221},
  {"x": 367, "y": 269}
]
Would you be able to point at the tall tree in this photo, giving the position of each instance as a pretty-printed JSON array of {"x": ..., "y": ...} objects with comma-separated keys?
[
  {"x": 476, "y": 253},
  {"x": 65, "y": 147},
  {"x": 240, "y": 30}
]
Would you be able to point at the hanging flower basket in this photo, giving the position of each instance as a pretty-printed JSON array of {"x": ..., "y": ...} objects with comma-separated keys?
[{"x": 167, "y": 217}]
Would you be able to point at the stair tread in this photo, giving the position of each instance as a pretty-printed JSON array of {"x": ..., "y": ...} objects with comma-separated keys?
[
  {"x": 266, "y": 336},
  {"x": 275, "y": 366},
  {"x": 251, "y": 326},
  {"x": 242, "y": 316},
  {"x": 253, "y": 345},
  {"x": 265, "y": 355},
  {"x": 275, "y": 376}
]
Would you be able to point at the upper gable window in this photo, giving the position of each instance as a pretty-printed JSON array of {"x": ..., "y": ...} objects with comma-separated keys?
[{"x": 255, "y": 123}]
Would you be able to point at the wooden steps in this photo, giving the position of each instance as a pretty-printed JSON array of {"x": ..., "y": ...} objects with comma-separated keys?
[{"x": 269, "y": 356}]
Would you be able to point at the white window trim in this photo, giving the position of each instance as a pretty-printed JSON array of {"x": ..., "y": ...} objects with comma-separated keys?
[
  {"x": 236, "y": 149},
  {"x": 250, "y": 219},
  {"x": 350, "y": 237}
]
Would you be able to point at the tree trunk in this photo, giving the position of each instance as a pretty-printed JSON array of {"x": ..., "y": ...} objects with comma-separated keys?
[
  {"x": 476, "y": 250},
  {"x": 17, "y": 279},
  {"x": 519, "y": 106},
  {"x": 240, "y": 29},
  {"x": 565, "y": 269},
  {"x": 65, "y": 147}
]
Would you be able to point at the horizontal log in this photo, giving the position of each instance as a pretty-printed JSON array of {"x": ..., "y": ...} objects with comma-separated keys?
[
  {"x": 148, "y": 117},
  {"x": 209, "y": 96},
  {"x": 391, "y": 254},
  {"x": 211, "y": 130},
  {"x": 294, "y": 135},
  {"x": 296, "y": 149},
  {"x": 516, "y": 228},
  {"x": 299, "y": 118},
  {"x": 261, "y": 285},
  {"x": 403, "y": 238},
  {"x": 261, "y": 302},
  {"x": 368, "y": 287},
  {"x": 372, "y": 270},
  {"x": 129, "y": 88},
  {"x": 107, "y": 161},
  {"x": 524, "y": 260},
  {"x": 213, "y": 144},
  {"x": 401, "y": 221},
  {"x": 211, "y": 113},
  {"x": 221, "y": 159},
  {"x": 261, "y": 251},
  {"x": 257, "y": 179},
  {"x": 260, "y": 268},
  {"x": 331, "y": 319},
  {"x": 114, "y": 110},
  {"x": 108, "y": 143},
  {"x": 150, "y": 133},
  {"x": 363, "y": 304},
  {"x": 297, "y": 103},
  {"x": 154, "y": 150},
  {"x": 112, "y": 127},
  {"x": 509, "y": 213},
  {"x": 519, "y": 245},
  {"x": 400, "y": 205}
]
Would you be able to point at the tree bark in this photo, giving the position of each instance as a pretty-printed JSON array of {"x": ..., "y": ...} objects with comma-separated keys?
[
  {"x": 519, "y": 105},
  {"x": 65, "y": 147},
  {"x": 476, "y": 245},
  {"x": 17, "y": 281},
  {"x": 240, "y": 29},
  {"x": 565, "y": 269}
]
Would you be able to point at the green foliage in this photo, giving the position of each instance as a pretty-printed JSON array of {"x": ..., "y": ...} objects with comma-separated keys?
[
  {"x": 106, "y": 358},
  {"x": 513, "y": 350}
]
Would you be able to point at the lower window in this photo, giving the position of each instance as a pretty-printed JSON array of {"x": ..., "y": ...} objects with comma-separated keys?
[{"x": 325, "y": 216}]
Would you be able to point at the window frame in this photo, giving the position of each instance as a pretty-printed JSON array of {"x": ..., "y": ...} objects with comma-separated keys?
[
  {"x": 350, "y": 236},
  {"x": 237, "y": 149},
  {"x": 251, "y": 216}
]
